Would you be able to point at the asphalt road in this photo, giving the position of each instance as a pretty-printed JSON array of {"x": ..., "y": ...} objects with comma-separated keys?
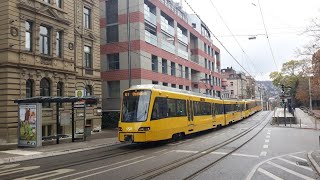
[{"x": 271, "y": 154}]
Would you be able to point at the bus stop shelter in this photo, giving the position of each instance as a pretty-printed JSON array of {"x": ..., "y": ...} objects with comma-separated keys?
[{"x": 59, "y": 100}]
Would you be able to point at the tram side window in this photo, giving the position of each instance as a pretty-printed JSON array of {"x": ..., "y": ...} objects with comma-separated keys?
[
  {"x": 160, "y": 108},
  {"x": 181, "y": 107},
  {"x": 219, "y": 109},
  {"x": 172, "y": 108},
  {"x": 205, "y": 108},
  {"x": 196, "y": 108}
]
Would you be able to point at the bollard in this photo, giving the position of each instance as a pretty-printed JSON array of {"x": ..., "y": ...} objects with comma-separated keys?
[{"x": 300, "y": 123}]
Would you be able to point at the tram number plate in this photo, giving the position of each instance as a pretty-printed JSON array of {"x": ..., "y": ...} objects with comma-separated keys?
[{"x": 128, "y": 138}]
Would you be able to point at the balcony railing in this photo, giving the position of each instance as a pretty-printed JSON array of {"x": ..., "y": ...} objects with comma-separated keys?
[
  {"x": 194, "y": 59},
  {"x": 168, "y": 47},
  {"x": 150, "y": 38},
  {"x": 148, "y": 16},
  {"x": 183, "y": 38},
  {"x": 167, "y": 28},
  {"x": 183, "y": 54}
]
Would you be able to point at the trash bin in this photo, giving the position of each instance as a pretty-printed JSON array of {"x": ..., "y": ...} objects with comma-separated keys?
[{"x": 87, "y": 132}]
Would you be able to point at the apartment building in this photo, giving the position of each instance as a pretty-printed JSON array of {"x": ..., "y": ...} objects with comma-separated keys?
[
  {"x": 234, "y": 84},
  {"x": 47, "y": 48},
  {"x": 167, "y": 47}
]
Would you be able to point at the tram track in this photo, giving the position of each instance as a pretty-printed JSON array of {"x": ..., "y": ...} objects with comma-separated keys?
[
  {"x": 111, "y": 154},
  {"x": 155, "y": 172}
]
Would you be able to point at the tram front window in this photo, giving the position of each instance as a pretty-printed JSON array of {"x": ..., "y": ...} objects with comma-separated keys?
[{"x": 135, "y": 106}]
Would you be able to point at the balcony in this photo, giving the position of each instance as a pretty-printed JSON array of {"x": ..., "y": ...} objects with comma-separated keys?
[
  {"x": 168, "y": 47},
  {"x": 150, "y": 38},
  {"x": 183, "y": 38},
  {"x": 151, "y": 18},
  {"x": 167, "y": 28},
  {"x": 183, "y": 54},
  {"x": 195, "y": 59}
]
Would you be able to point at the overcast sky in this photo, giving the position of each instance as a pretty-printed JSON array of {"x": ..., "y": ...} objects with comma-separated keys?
[{"x": 285, "y": 21}]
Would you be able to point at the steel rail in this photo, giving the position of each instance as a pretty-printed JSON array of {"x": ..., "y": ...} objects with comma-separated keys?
[{"x": 152, "y": 173}]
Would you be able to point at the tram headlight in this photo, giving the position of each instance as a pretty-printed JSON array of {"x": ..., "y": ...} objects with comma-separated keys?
[
  {"x": 144, "y": 129},
  {"x": 119, "y": 128}
]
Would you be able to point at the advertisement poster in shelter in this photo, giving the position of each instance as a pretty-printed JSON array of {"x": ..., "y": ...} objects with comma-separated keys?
[{"x": 28, "y": 125}]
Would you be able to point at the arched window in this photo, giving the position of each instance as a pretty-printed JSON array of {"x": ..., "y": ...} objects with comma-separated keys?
[
  {"x": 29, "y": 88},
  {"x": 45, "y": 90},
  {"x": 88, "y": 90},
  {"x": 60, "y": 91}
]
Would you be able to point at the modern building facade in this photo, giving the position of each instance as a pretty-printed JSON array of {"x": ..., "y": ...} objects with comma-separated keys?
[
  {"x": 167, "y": 47},
  {"x": 47, "y": 48}
]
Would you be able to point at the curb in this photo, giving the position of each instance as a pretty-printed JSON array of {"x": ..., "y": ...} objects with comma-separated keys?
[
  {"x": 314, "y": 163},
  {"x": 54, "y": 153}
]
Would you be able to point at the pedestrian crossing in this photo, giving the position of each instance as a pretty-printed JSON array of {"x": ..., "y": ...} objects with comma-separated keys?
[{"x": 285, "y": 167}]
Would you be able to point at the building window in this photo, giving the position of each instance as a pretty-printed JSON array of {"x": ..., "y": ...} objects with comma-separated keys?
[
  {"x": 187, "y": 88},
  {"x": 180, "y": 86},
  {"x": 165, "y": 84},
  {"x": 44, "y": 40},
  {"x": 173, "y": 69},
  {"x": 114, "y": 89},
  {"x": 205, "y": 63},
  {"x": 231, "y": 83},
  {"x": 28, "y": 26},
  {"x": 112, "y": 34},
  {"x": 155, "y": 82},
  {"x": 87, "y": 17},
  {"x": 112, "y": 11},
  {"x": 186, "y": 73},
  {"x": 154, "y": 63},
  {"x": 113, "y": 61},
  {"x": 47, "y": 1},
  {"x": 88, "y": 56},
  {"x": 29, "y": 88},
  {"x": 173, "y": 85},
  {"x": 164, "y": 66},
  {"x": 89, "y": 91},
  {"x": 232, "y": 92},
  {"x": 59, "y": 44},
  {"x": 45, "y": 90},
  {"x": 180, "y": 71},
  {"x": 205, "y": 47},
  {"x": 59, "y": 3}
]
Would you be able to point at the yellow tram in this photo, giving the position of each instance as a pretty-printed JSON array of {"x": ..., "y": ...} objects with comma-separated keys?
[{"x": 153, "y": 113}]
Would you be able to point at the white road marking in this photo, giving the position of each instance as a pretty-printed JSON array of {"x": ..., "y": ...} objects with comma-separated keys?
[
  {"x": 186, "y": 151},
  {"x": 268, "y": 133},
  {"x": 302, "y": 159},
  {"x": 290, "y": 171},
  {"x": 267, "y": 140},
  {"x": 269, "y": 130},
  {"x": 16, "y": 170},
  {"x": 263, "y": 153},
  {"x": 268, "y": 136},
  {"x": 46, "y": 175},
  {"x": 22, "y": 153},
  {"x": 270, "y": 175},
  {"x": 9, "y": 166},
  {"x": 245, "y": 155},
  {"x": 102, "y": 167},
  {"x": 221, "y": 153},
  {"x": 160, "y": 151},
  {"x": 254, "y": 169},
  {"x": 89, "y": 175},
  {"x": 265, "y": 146},
  {"x": 292, "y": 163}
]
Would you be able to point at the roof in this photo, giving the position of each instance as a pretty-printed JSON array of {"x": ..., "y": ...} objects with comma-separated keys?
[{"x": 49, "y": 99}]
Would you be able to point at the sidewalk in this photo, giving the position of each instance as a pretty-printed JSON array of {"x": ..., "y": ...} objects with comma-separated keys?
[
  {"x": 314, "y": 158},
  {"x": 304, "y": 120},
  {"x": 97, "y": 140}
]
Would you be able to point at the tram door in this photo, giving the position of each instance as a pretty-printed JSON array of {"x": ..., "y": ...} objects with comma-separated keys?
[{"x": 190, "y": 115}]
